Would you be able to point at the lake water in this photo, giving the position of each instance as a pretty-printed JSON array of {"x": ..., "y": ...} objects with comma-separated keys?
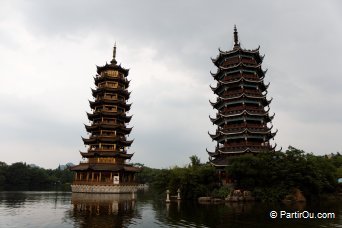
[{"x": 64, "y": 209}]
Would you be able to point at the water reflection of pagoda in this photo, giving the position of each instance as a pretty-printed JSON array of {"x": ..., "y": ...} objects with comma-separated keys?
[
  {"x": 103, "y": 210},
  {"x": 102, "y": 203},
  {"x": 105, "y": 169},
  {"x": 243, "y": 123}
]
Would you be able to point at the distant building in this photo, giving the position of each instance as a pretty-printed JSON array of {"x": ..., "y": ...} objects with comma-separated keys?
[
  {"x": 243, "y": 121},
  {"x": 66, "y": 166},
  {"x": 105, "y": 169}
]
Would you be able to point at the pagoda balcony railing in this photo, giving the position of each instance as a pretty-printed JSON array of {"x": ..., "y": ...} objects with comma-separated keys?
[
  {"x": 110, "y": 86},
  {"x": 101, "y": 163},
  {"x": 105, "y": 150},
  {"x": 241, "y": 108},
  {"x": 241, "y": 144},
  {"x": 230, "y": 130},
  {"x": 108, "y": 110},
  {"x": 244, "y": 125},
  {"x": 232, "y": 112},
  {"x": 112, "y": 76},
  {"x": 234, "y": 93},
  {"x": 236, "y": 77},
  {"x": 230, "y": 61},
  {"x": 103, "y": 135},
  {"x": 111, "y": 98},
  {"x": 107, "y": 182},
  {"x": 239, "y": 91},
  {"x": 108, "y": 136},
  {"x": 234, "y": 149},
  {"x": 236, "y": 60},
  {"x": 109, "y": 122},
  {"x": 239, "y": 127},
  {"x": 249, "y": 62}
]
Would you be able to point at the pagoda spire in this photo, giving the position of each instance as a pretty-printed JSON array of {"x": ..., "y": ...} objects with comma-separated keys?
[
  {"x": 236, "y": 38},
  {"x": 114, "y": 55}
]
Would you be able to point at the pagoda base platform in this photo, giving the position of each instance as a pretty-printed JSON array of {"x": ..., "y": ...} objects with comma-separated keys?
[{"x": 104, "y": 188}]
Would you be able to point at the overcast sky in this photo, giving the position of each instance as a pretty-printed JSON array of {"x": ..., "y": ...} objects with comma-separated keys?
[{"x": 49, "y": 51}]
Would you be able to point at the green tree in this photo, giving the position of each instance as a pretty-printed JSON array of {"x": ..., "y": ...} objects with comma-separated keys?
[
  {"x": 195, "y": 161},
  {"x": 272, "y": 175},
  {"x": 3, "y": 170}
]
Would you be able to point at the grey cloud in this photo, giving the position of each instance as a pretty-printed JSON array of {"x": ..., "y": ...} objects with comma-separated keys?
[{"x": 171, "y": 120}]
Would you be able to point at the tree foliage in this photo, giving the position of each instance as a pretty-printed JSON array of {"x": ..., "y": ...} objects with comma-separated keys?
[
  {"x": 194, "y": 180},
  {"x": 21, "y": 176},
  {"x": 272, "y": 175}
]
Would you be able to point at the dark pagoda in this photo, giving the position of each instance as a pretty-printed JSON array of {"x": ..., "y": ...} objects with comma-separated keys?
[
  {"x": 105, "y": 169},
  {"x": 242, "y": 119}
]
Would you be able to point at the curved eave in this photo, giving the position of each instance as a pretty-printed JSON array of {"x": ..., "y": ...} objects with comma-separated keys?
[
  {"x": 105, "y": 154},
  {"x": 275, "y": 145},
  {"x": 126, "y": 118},
  {"x": 211, "y": 154},
  {"x": 240, "y": 151},
  {"x": 274, "y": 134},
  {"x": 98, "y": 79},
  {"x": 243, "y": 95},
  {"x": 213, "y": 88},
  {"x": 213, "y": 120},
  {"x": 106, "y": 126},
  {"x": 239, "y": 80},
  {"x": 118, "y": 140},
  {"x": 213, "y": 103},
  {"x": 120, "y": 91},
  {"x": 271, "y": 117},
  {"x": 258, "y": 66},
  {"x": 213, "y": 136},
  {"x": 236, "y": 50},
  {"x": 242, "y": 113},
  {"x": 112, "y": 67},
  {"x": 93, "y": 104},
  {"x": 246, "y": 131},
  {"x": 105, "y": 167},
  {"x": 126, "y": 143},
  {"x": 241, "y": 67}
]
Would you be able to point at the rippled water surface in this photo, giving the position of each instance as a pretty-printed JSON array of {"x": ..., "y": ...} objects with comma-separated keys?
[{"x": 63, "y": 209}]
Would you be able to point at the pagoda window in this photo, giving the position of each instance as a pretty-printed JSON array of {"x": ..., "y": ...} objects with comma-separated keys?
[
  {"x": 113, "y": 84},
  {"x": 111, "y": 120},
  {"x": 97, "y": 109},
  {"x": 230, "y": 61},
  {"x": 108, "y": 146},
  {"x": 108, "y": 133},
  {"x": 111, "y": 73},
  {"x": 105, "y": 160}
]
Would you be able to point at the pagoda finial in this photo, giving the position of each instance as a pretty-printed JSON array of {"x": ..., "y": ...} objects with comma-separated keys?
[
  {"x": 236, "y": 38},
  {"x": 114, "y": 54}
]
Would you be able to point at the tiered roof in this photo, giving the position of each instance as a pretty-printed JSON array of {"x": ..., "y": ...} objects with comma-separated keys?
[
  {"x": 108, "y": 129},
  {"x": 242, "y": 119}
]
